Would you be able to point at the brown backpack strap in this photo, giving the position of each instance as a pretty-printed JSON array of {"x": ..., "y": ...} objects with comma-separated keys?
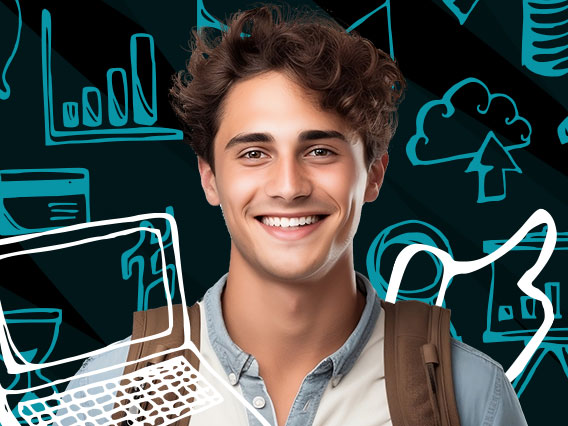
[
  {"x": 153, "y": 321},
  {"x": 418, "y": 365}
]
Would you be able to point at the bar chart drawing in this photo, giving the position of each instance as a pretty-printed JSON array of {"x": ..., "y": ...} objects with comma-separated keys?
[
  {"x": 514, "y": 317},
  {"x": 90, "y": 114}
]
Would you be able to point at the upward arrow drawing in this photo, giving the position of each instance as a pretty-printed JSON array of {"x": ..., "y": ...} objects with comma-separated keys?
[{"x": 491, "y": 162}]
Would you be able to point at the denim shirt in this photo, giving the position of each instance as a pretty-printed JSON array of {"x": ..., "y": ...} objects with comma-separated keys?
[
  {"x": 243, "y": 368},
  {"x": 484, "y": 395}
]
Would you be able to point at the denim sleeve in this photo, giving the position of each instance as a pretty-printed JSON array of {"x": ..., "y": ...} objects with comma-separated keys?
[
  {"x": 509, "y": 410},
  {"x": 484, "y": 395},
  {"x": 107, "y": 359}
]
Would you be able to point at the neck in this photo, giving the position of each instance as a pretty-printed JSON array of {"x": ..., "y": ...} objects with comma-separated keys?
[{"x": 291, "y": 324}]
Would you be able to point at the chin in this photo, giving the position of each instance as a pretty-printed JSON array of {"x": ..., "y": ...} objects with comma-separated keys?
[{"x": 292, "y": 271}]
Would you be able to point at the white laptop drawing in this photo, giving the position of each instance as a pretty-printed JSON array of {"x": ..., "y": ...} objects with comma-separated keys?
[{"x": 180, "y": 389}]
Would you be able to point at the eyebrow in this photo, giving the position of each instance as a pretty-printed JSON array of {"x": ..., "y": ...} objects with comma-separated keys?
[{"x": 306, "y": 135}]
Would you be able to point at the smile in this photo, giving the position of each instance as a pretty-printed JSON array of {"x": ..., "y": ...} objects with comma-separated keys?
[
  {"x": 289, "y": 222},
  {"x": 290, "y": 228}
]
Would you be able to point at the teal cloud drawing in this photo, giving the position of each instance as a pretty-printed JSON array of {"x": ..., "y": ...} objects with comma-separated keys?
[{"x": 444, "y": 134}]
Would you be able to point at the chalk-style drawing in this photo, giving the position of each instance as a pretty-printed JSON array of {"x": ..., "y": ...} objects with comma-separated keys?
[
  {"x": 489, "y": 154},
  {"x": 29, "y": 322},
  {"x": 206, "y": 20},
  {"x": 144, "y": 100},
  {"x": 563, "y": 131},
  {"x": 35, "y": 200},
  {"x": 514, "y": 316},
  {"x": 525, "y": 283},
  {"x": 461, "y": 8},
  {"x": 395, "y": 238},
  {"x": 492, "y": 168},
  {"x": 545, "y": 37},
  {"x": 59, "y": 406},
  {"x": 4, "y": 86},
  {"x": 137, "y": 261},
  {"x": 385, "y": 5},
  {"x": 403, "y": 234}
]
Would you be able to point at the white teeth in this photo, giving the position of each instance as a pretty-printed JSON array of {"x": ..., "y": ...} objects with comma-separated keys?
[{"x": 289, "y": 222}]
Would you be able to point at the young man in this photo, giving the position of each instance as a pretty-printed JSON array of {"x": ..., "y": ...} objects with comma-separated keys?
[{"x": 291, "y": 125}]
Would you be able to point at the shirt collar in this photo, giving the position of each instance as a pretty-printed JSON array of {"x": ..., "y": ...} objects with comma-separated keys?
[{"x": 234, "y": 360}]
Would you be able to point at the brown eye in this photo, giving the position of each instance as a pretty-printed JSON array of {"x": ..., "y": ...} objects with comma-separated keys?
[
  {"x": 321, "y": 152},
  {"x": 253, "y": 154}
]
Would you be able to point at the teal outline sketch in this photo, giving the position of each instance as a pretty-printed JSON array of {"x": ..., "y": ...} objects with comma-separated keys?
[
  {"x": 476, "y": 163},
  {"x": 5, "y": 89},
  {"x": 29, "y": 355},
  {"x": 385, "y": 4},
  {"x": 482, "y": 169},
  {"x": 556, "y": 340},
  {"x": 130, "y": 258},
  {"x": 563, "y": 131},
  {"x": 206, "y": 20},
  {"x": 432, "y": 237},
  {"x": 131, "y": 133},
  {"x": 43, "y": 188},
  {"x": 117, "y": 115},
  {"x": 459, "y": 13},
  {"x": 92, "y": 112},
  {"x": 540, "y": 40}
]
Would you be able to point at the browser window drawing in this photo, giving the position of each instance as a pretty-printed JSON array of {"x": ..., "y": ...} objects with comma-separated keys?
[{"x": 166, "y": 389}]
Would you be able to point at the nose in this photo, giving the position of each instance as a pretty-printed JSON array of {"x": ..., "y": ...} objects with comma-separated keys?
[{"x": 288, "y": 180}]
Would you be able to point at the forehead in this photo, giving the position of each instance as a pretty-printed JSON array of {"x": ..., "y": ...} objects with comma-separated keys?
[{"x": 272, "y": 102}]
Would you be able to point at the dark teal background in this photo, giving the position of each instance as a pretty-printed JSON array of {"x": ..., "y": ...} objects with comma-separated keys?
[{"x": 128, "y": 178}]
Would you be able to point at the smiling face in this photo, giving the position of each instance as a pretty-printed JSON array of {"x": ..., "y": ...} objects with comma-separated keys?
[{"x": 290, "y": 178}]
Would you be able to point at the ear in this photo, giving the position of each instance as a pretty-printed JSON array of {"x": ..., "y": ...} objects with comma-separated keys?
[
  {"x": 208, "y": 182},
  {"x": 375, "y": 177}
]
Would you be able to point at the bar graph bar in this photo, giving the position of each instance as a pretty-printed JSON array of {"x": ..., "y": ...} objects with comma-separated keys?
[
  {"x": 70, "y": 114},
  {"x": 92, "y": 112},
  {"x": 109, "y": 121},
  {"x": 143, "y": 82},
  {"x": 552, "y": 291},
  {"x": 117, "y": 99}
]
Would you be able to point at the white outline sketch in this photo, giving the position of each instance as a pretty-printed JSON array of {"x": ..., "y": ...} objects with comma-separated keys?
[
  {"x": 8, "y": 349},
  {"x": 453, "y": 267}
]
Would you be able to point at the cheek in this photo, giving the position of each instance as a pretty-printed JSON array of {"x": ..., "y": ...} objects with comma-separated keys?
[
  {"x": 345, "y": 183},
  {"x": 236, "y": 189}
]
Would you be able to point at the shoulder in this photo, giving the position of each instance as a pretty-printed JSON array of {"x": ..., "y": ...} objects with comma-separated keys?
[
  {"x": 484, "y": 395},
  {"x": 110, "y": 358}
]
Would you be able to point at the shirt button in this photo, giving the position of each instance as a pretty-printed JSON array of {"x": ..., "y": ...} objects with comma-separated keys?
[
  {"x": 258, "y": 402},
  {"x": 233, "y": 379}
]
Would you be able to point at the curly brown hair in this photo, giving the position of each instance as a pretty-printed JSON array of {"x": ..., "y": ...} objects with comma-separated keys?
[{"x": 346, "y": 73}]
